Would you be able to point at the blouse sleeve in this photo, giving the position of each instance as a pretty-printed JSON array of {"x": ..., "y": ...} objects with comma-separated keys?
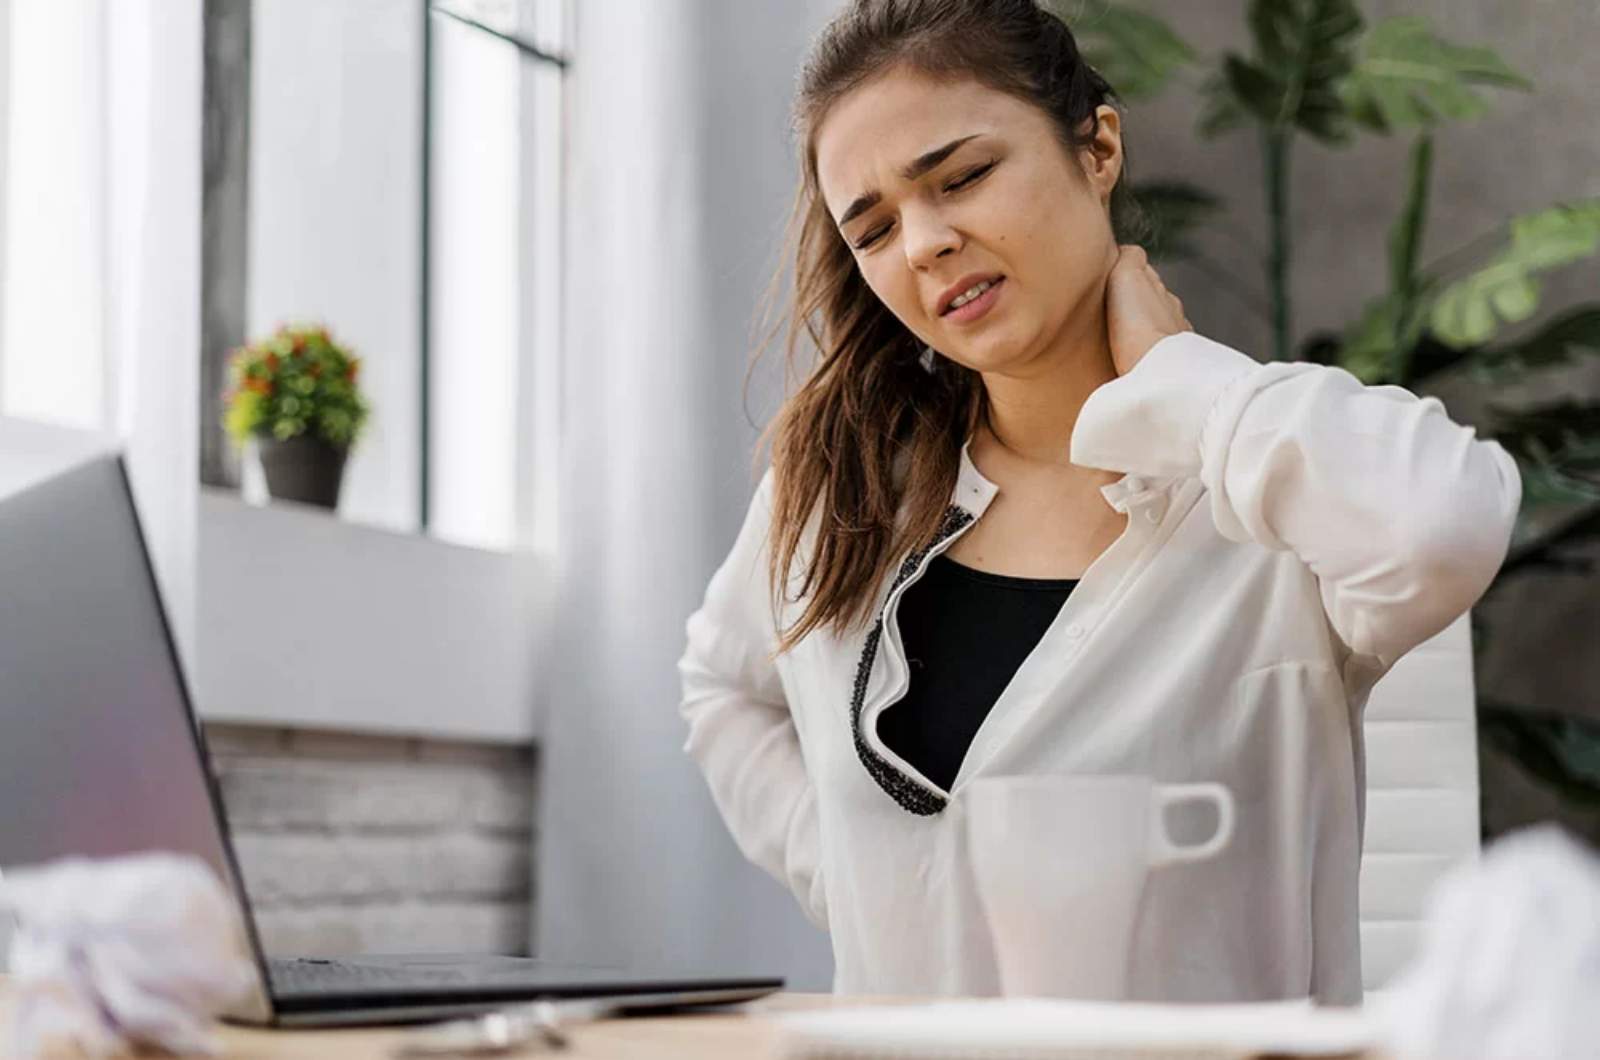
[
  {"x": 1403, "y": 515},
  {"x": 741, "y": 733}
]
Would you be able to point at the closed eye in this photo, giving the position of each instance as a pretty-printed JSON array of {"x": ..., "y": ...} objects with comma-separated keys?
[{"x": 972, "y": 176}]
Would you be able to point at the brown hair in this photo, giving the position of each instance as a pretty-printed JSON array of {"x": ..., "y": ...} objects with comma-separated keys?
[{"x": 871, "y": 438}]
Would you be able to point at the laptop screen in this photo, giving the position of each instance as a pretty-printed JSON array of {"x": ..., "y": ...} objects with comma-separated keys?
[{"x": 98, "y": 753}]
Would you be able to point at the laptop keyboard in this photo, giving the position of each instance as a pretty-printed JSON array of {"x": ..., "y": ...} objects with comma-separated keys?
[{"x": 304, "y": 974}]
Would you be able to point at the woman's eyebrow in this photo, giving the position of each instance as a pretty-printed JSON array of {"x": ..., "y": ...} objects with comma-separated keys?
[{"x": 911, "y": 171}]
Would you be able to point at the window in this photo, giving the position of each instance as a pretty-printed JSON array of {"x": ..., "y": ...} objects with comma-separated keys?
[
  {"x": 493, "y": 253},
  {"x": 404, "y": 190}
]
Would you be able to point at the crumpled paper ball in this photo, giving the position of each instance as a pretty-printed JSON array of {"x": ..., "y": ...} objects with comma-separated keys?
[
  {"x": 1509, "y": 966},
  {"x": 118, "y": 953}
]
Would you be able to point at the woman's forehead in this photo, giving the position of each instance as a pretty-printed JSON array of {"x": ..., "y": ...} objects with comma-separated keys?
[{"x": 881, "y": 125}]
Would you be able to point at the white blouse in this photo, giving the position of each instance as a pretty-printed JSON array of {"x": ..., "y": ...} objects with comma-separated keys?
[{"x": 1291, "y": 534}]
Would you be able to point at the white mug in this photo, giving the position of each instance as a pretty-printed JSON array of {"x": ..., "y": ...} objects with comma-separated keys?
[{"x": 1060, "y": 861}]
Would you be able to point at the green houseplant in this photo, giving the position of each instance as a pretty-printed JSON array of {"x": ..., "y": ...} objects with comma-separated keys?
[
  {"x": 1317, "y": 69},
  {"x": 296, "y": 391}
]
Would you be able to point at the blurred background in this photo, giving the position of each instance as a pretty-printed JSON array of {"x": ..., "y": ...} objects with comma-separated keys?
[{"x": 425, "y": 329}]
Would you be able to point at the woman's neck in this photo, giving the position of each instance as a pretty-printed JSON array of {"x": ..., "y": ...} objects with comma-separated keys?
[{"x": 1031, "y": 415}]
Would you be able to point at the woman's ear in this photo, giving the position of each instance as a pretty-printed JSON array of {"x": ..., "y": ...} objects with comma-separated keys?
[{"x": 1102, "y": 157}]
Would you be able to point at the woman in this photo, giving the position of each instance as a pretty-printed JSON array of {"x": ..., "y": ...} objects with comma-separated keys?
[{"x": 1022, "y": 519}]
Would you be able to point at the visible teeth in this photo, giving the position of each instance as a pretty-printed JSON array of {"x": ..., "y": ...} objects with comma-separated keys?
[{"x": 968, "y": 295}]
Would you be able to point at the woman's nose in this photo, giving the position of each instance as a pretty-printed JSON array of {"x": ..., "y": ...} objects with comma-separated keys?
[{"x": 926, "y": 237}]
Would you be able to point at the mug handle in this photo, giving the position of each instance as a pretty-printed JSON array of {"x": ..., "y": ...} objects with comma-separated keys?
[{"x": 1163, "y": 851}]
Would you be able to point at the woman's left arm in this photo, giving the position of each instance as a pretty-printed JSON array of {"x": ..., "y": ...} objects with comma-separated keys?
[{"x": 1402, "y": 514}]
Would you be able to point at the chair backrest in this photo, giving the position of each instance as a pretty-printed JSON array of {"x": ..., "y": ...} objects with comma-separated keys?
[{"x": 1422, "y": 794}]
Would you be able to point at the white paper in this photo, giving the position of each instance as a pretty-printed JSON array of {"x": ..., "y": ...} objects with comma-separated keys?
[
  {"x": 1027, "y": 1027},
  {"x": 143, "y": 949},
  {"x": 1509, "y": 966}
]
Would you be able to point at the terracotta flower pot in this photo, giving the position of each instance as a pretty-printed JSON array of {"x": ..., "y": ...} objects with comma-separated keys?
[{"x": 304, "y": 468}]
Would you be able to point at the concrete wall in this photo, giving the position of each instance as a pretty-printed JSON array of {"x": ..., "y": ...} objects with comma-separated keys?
[{"x": 358, "y": 843}]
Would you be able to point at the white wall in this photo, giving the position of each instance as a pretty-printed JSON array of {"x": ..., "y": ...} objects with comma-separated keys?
[{"x": 335, "y": 223}]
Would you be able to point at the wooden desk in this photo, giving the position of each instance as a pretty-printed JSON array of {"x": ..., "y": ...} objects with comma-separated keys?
[
  {"x": 745, "y": 1034},
  {"x": 742, "y": 1034}
]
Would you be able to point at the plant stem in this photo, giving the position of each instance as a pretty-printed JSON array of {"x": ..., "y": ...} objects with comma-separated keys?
[{"x": 1275, "y": 153}]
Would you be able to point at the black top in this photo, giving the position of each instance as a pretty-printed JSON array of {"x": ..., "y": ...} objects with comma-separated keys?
[{"x": 965, "y": 632}]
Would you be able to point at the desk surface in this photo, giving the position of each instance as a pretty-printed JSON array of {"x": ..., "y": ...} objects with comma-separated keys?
[
  {"x": 744, "y": 1032},
  {"x": 740, "y": 1032}
]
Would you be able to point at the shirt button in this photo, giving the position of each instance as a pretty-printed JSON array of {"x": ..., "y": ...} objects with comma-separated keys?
[
  {"x": 1075, "y": 631},
  {"x": 1135, "y": 484},
  {"x": 1152, "y": 515}
]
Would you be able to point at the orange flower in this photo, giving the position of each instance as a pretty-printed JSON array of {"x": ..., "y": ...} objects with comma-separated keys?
[
  {"x": 299, "y": 343},
  {"x": 350, "y": 373},
  {"x": 272, "y": 362},
  {"x": 260, "y": 386}
]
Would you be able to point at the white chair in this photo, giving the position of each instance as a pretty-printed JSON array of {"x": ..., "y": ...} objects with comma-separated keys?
[{"x": 1422, "y": 794}]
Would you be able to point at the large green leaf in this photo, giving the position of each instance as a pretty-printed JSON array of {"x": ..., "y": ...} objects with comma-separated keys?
[
  {"x": 1408, "y": 76},
  {"x": 1303, "y": 50},
  {"x": 1562, "y": 750},
  {"x": 1378, "y": 347},
  {"x": 1372, "y": 342},
  {"x": 1134, "y": 50},
  {"x": 1558, "y": 342},
  {"x": 1471, "y": 309},
  {"x": 1220, "y": 110},
  {"x": 1557, "y": 448},
  {"x": 1564, "y": 434},
  {"x": 1559, "y": 546},
  {"x": 1547, "y": 486},
  {"x": 1175, "y": 210}
]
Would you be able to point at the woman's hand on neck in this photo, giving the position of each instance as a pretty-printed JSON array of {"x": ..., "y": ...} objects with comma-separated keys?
[{"x": 1032, "y": 416}]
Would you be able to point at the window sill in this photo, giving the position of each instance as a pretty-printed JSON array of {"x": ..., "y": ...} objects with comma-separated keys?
[{"x": 307, "y": 620}]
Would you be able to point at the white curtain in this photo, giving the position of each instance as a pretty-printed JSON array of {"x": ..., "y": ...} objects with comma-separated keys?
[
  {"x": 154, "y": 81},
  {"x": 101, "y": 296},
  {"x": 680, "y": 175},
  {"x": 131, "y": 267}
]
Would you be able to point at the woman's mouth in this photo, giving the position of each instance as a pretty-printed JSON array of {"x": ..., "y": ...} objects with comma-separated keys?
[{"x": 978, "y": 305}]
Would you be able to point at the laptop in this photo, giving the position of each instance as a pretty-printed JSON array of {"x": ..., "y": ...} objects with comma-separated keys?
[{"x": 101, "y": 755}]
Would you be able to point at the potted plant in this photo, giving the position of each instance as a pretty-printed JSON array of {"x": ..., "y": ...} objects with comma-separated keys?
[{"x": 296, "y": 392}]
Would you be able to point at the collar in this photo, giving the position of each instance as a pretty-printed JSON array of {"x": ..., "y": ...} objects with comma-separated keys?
[{"x": 974, "y": 492}]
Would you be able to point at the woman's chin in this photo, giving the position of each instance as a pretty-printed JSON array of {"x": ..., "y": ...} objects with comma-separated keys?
[{"x": 993, "y": 357}]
